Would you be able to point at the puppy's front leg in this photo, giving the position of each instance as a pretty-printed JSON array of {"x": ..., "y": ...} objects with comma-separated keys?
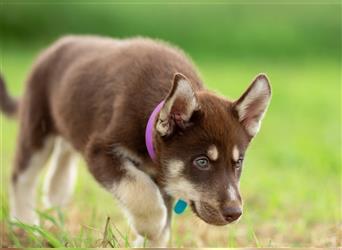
[
  {"x": 164, "y": 237},
  {"x": 136, "y": 192},
  {"x": 144, "y": 206}
]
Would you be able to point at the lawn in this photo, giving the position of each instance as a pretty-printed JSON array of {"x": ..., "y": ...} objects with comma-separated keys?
[{"x": 290, "y": 183}]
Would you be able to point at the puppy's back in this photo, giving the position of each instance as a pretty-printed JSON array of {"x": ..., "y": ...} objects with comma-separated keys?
[{"x": 88, "y": 79}]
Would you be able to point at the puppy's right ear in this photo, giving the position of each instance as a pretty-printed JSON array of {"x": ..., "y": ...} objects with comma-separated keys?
[{"x": 178, "y": 107}]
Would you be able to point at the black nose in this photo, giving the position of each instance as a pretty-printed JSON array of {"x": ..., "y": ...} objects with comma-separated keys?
[{"x": 231, "y": 213}]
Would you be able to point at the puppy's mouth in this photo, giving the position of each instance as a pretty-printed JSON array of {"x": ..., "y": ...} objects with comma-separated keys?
[{"x": 208, "y": 213}]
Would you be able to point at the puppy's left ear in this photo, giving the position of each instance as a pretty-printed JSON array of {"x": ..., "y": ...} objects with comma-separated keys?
[
  {"x": 178, "y": 107},
  {"x": 252, "y": 105}
]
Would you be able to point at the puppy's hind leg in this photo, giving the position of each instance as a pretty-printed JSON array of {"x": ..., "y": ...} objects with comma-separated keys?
[
  {"x": 35, "y": 141},
  {"x": 29, "y": 162},
  {"x": 60, "y": 179}
]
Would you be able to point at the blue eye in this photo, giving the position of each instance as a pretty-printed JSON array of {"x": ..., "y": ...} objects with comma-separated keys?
[{"x": 202, "y": 163}]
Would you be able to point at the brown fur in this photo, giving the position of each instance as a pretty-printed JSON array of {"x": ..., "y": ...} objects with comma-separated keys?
[
  {"x": 99, "y": 92},
  {"x": 77, "y": 83}
]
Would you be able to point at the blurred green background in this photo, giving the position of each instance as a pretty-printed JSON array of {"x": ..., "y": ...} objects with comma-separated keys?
[{"x": 291, "y": 182}]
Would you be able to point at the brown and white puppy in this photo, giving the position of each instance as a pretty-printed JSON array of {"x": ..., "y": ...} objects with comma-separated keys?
[{"x": 94, "y": 96}]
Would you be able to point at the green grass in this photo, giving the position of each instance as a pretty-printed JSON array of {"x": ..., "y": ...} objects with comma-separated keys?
[{"x": 290, "y": 183}]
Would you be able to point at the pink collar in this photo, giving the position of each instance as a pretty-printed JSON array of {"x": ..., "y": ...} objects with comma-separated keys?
[{"x": 149, "y": 131}]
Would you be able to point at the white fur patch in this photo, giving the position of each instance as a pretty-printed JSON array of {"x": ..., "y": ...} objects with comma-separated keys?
[
  {"x": 175, "y": 168},
  {"x": 23, "y": 190},
  {"x": 232, "y": 193},
  {"x": 235, "y": 153},
  {"x": 182, "y": 188},
  {"x": 213, "y": 153},
  {"x": 61, "y": 176},
  {"x": 177, "y": 185},
  {"x": 142, "y": 202}
]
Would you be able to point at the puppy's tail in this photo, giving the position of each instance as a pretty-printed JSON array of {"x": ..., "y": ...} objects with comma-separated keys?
[{"x": 8, "y": 105}]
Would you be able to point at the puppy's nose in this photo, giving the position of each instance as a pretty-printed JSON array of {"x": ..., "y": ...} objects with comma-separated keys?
[{"x": 231, "y": 213}]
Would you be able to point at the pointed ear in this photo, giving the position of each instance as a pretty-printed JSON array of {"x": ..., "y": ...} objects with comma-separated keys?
[
  {"x": 252, "y": 105},
  {"x": 178, "y": 107}
]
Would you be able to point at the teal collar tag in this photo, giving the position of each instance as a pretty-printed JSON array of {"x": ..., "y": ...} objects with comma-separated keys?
[{"x": 180, "y": 206}]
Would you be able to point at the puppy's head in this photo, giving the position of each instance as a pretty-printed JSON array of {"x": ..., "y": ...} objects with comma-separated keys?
[{"x": 201, "y": 142}]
